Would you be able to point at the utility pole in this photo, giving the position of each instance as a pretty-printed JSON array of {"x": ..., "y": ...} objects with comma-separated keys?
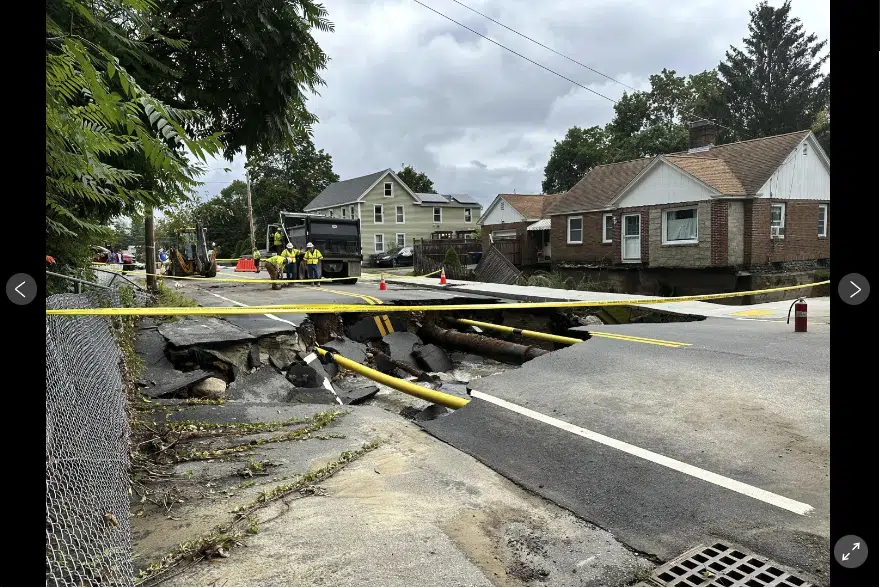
[
  {"x": 150, "y": 248},
  {"x": 247, "y": 175}
]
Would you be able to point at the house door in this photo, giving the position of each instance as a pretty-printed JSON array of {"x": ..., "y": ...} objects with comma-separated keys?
[
  {"x": 632, "y": 238},
  {"x": 546, "y": 237}
]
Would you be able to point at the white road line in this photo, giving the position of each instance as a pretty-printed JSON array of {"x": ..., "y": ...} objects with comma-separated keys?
[
  {"x": 314, "y": 357},
  {"x": 271, "y": 316},
  {"x": 679, "y": 466}
]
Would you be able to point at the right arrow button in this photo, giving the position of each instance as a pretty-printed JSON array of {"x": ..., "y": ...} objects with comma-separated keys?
[{"x": 853, "y": 289}]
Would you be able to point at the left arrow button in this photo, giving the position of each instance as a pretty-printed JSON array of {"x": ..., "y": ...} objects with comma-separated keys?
[{"x": 21, "y": 289}]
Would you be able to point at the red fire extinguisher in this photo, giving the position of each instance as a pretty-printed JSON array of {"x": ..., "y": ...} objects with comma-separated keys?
[{"x": 800, "y": 315}]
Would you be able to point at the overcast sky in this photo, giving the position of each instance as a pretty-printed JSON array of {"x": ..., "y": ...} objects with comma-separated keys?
[{"x": 405, "y": 85}]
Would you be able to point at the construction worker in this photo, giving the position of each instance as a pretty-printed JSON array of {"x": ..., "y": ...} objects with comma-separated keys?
[
  {"x": 290, "y": 255},
  {"x": 274, "y": 266},
  {"x": 313, "y": 258},
  {"x": 256, "y": 256},
  {"x": 276, "y": 240}
]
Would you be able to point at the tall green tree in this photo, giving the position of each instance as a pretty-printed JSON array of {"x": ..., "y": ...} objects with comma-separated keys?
[
  {"x": 112, "y": 147},
  {"x": 250, "y": 65},
  {"x": 822, "y": 129},
  {"x": 226, "y": 218},
  {"x": 774, "y": 84},
  {"x": 572, "y": 157},
  {"x": 288, "y": 179},
  {"x": 417, "y": 181},
  {"x": 657, "y": 121}
]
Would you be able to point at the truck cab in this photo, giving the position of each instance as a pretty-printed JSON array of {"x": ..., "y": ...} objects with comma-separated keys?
[{"x": 338, "y": 240}]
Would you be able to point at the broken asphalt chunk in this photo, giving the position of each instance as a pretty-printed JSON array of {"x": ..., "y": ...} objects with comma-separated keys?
[
  {"x": 203, "y": 331},
  {"x": 358, "y": 395},
  {"x": 432, "y": 358},
  {"x": 303, "y": 376},
  {"x": 310, "y": 396},
  {"x": 347, "y": 348},
  {"x": 400, "y": 347},
  {"x": 254, "y": 356},
  {"x": 368, "y": 328},
  {"x": 264, "y": 385},
  {"x": 171, "y": 385}
]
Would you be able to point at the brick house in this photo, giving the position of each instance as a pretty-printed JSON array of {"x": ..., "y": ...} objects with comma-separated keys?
[
  {"x": 737, "y": 206},
  {"x": 523, "y": 218}
]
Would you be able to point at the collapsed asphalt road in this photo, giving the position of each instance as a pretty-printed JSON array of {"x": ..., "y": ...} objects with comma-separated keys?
[{"x": 736, "y": 400}]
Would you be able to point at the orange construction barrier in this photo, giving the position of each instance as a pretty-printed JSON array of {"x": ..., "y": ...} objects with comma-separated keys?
[{"x": 246, "y": 264}]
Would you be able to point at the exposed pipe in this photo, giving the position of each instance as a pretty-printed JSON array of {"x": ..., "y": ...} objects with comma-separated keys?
[
  {"x": 523, "y": 332},
  {"x": 497, "y": 349},
  {"x": 400, "y": 365},
  {"x": 441, "y": 398}
]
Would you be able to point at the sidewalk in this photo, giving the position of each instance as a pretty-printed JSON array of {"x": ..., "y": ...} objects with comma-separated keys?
[{"x": 819, "y": 308}]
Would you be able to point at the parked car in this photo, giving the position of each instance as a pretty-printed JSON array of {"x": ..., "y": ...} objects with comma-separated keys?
[
  {"x": 102, "y": 254},
  {"x": 402, "y": 257}
]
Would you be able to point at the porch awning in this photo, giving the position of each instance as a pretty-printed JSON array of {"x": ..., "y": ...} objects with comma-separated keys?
[{"x": 541, "y": 225}]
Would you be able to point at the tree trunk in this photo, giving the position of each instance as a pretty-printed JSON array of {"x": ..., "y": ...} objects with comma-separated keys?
[{"x": 150, "y": 249}]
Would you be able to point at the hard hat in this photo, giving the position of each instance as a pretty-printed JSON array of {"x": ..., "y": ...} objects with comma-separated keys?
[
  {"x": 309, "y": 245},
  {"x": 213, "y": 244},
  {"x": 290, "y": 245}
]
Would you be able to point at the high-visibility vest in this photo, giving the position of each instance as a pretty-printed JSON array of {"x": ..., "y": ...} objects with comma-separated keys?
[
  {"x": 312, "y": 257},
  {"x": 278, "y": 237},
  {"x": 276, "y": 260},
  {"x": 292, "y": 252},
  {"x": 256, "y": 254}
]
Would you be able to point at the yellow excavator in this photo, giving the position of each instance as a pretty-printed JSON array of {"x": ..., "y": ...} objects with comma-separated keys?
[{"x": 191, "y": 256}]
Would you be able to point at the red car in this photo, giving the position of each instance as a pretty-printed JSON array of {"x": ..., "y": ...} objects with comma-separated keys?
[{"x": 102, "y": 254}]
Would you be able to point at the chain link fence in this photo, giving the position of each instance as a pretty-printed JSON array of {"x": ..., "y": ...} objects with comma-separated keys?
[{"x": 88, "y": 533}]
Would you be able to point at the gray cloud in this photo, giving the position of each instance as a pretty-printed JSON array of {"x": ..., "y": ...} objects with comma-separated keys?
[{"x": 406, "y": 85}]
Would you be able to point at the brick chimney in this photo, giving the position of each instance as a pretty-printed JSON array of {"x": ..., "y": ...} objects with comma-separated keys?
[{"x": 703, "y": 135}]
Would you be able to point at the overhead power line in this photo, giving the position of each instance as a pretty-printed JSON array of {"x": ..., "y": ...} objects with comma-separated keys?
[
  {"x": 690, "y": 112},
  {"x": 613, "y": 101}
]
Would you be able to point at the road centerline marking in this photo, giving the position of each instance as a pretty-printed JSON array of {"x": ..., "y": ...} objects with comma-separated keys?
[
  {"x": 242, "y": 304},
  {"x": 635, "y": 339},
  {"x": 765, "y": 496}
]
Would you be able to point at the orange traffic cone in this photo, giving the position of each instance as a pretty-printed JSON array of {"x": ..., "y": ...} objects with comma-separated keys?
[
  {"x": 443, "y": 277},
  {"x": 382, "y": 285}
]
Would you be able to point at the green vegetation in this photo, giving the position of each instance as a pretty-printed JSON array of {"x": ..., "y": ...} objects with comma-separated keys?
[{"x": 451, "y": 259}]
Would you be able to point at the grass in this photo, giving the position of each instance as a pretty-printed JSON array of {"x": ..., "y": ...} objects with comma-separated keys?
[
  {"x": 561, "y": 282},
  {"x": 316, "y": 423},
  {"x": 169, "y": 298}
]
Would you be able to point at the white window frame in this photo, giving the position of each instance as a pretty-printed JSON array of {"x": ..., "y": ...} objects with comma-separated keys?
[
  {"x": 381, "y": 208},
  {"x": 663, "y": 220},
  {"x": 376, "y": 247},
  {"x": 824, "y": 209},
  {"x": 438, "y": 211},
  {"x": 331, "y": 214},
  {"x": 607, "y": 221},
  {"x": 388, "y": 190},
  {"x": 342, "y": 210},
  {"x": 468, "y": 216},
  {"x": 397, "y": 239},
  {"x": 568, "y": 230},
  {"x": 781, "y": 205},
  {"x": 402, "y": 210},
  {"x": 351, "y": 211}
]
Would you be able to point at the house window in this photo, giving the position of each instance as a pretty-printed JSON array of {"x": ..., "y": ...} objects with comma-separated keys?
[
  {"x": 388, "y": 190},
  {"x": 607, "y": 227},
  {"x": 575, "y": 230},
  {"x": 680, "y": 226},
  {"x": 378, "y": 209},
  {"x": 467, "y": 215},
  {"x": 379, "y": 243},
  {"x": 502, "y": 205},
  {"x": 342, "y": 210},
  {"x": 823, "y": 220},
  {"x": 331, "y": 214},
  {"x": 438, "y": 214},
  {"x": 399, "y": 215},
  {"x": 777, "y": 220},
  {"x": 805, "y": 148},
  {"x": 401, "y": 239},
  {"x": 351, "y": 211}
]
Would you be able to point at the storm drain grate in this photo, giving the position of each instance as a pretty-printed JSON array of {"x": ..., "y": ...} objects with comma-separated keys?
[{"x": 723, "y": 565}]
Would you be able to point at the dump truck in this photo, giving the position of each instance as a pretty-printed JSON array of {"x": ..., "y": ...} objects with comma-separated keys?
[
  {"x": 190, "y": 255},
  {"x": 338, "y": 240}
]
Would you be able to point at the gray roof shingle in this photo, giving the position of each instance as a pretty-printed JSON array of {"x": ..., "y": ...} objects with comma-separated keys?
[{"x": 344, "y": 191}]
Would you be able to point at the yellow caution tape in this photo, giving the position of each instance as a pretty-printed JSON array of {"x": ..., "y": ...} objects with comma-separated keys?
[{"x": 347, "y": 308}]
